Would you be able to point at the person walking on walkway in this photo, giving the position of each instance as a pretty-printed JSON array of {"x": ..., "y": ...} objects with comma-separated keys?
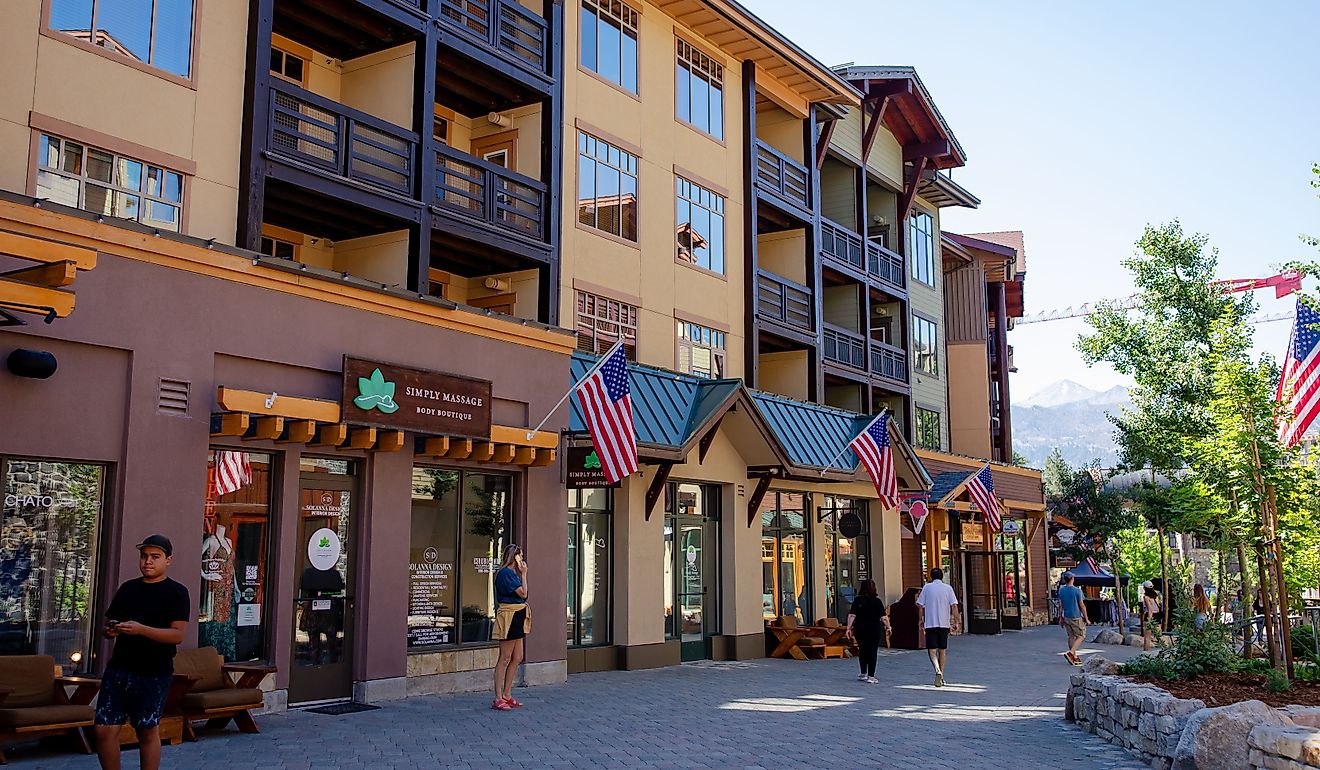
[
  {"x": 937, "y": 602},
  {"x": 1150, "y": 615},
  {"x": 146, "y": 618},
  {"x": 512, "y": 622},
  {"x": 1075, "y": 621},
  {"x": 1200, "y": 605},
  {"x": 867, "y": 623}
]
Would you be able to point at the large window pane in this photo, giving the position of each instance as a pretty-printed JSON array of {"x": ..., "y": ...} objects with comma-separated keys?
[
  {"x": 49, "y": 525},
  {"x": 628, "y": 63},
  {"x": 231, "y": 608},
  {"x": 587, "y": 40},
  {"x": 487, "y": 503},
  {"x": 432, "y": 555},
  {"x": 716, "y": 111},
  {"x": 172, "y": 46},
  {"x": 71, "y": 15},
  {"x": 700, "y": 102},
  {"x": 609, "y": 51},
  {"x": 124, "y": 26},
  {"x": 683, "y": 88},
  {"x": 594, "y": 602}
]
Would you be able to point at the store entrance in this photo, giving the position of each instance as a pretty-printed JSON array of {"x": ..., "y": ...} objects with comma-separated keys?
[
  {"x": 322, "y": 659},
  {"x": 692, "y": 567},
  {"x": 984, "y": 603}
]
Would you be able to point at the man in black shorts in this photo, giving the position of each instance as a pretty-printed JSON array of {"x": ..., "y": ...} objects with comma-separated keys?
[
  {"x": 939, "y": 615},
  {"x": 146, "y": 619}
]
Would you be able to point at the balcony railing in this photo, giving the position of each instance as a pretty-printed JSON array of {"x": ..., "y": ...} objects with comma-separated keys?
[
  {"x": 340, "y": 140},
  {"x": 888, "y": 361},
  {"x": 780, "y": 175},
  {"x": 779, "y": 299},
  {"x": 886, "y": 266},
  {"x": 840, "y": 243},
  {"x": 503, "y": 25},
  {"x": 489, "y": 193},
  {"x": 844, "y": 347}
]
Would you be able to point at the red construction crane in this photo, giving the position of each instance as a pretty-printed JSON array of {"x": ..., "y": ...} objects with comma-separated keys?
[{"x": 1284, "y": 283}]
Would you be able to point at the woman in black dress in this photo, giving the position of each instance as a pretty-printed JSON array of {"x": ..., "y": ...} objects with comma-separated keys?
[{"x": 866, "y": 623}]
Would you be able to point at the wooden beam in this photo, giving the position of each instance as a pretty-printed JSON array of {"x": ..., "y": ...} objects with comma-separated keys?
[
  {"x": 524, "y": 455},
  {"x": 774, "y": 89},
  {"x": 704, "y": 446},
  {"x": 503, "y": 454},
  {"x": 52, "y": 275},
  {"x": 436, "y": 447},
  {"x": 544, "y": 457},
  {"x": 389, "y": 441},
  {"x": 361, "y": 438},
  {"x": 38, "y": 296},
  {"x": 298, "y": 432},
  {"x": 482, "y": 451},
  {"x": 823, "y": 142},
  {"x": 41, "y": 250},
  {"x": 265, "y": 428},
  {"x": 505, "y": 434},
  {"x": 331, "y": 435},
  {"x": 295, "y": 408},
  {"x": 657, "y": 487},
  {"x": 873, "y": 124},
  {"x": 881, "y": 89},
  {"x": 758, "y": 494},
  {"x": 459, "y": 449},
  {"x": 230, "y": 424},
  {"x": 909, "y": 195},
  {"x": 932, "y": 149}
]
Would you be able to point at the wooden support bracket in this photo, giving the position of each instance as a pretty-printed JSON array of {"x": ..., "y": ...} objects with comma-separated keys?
[
  {"x": 230, "y": 424},
  {"x": 52, "y": 275},
  {"x": 657, "y": 487},
  {"x": 459, "y": 449},
  {"x": 362, "y": 438},
  {"x": 503, "y": 454},
  {"x": 298, "y": 432},
  {"x": 704, "y": 446},
  {"x": 331, "y": 435},
  {"x": 436, "y": 447},
  {"x": 389, "y": 441},
  {"x": 910, "y": 189},
  {"x": 482, "y": 451},
  {"x": 876, "y": 119},
  {"x": 524, "y": 455},
  {"x": 758, "y": 494},
  {"x": 265, "y": 428},
  {"x": 823, "y": 142},
  {"x": 544, "y": 457}
]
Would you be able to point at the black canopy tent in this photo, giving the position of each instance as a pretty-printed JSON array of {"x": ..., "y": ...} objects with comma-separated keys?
[{"x": 1085, "y": 576}]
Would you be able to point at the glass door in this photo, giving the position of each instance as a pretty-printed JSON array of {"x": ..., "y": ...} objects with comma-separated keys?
[
  {"x": 691, "y": 592},
  {"x": 691, "y": 567},
  {"x": 982, "y": 584},
  {"x": 323, "y": 605},
  {"x": 1009, "y": 590}
]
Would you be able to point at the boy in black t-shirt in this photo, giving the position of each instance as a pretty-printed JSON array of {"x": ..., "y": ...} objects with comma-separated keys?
[{"x": 146, "y": 619}]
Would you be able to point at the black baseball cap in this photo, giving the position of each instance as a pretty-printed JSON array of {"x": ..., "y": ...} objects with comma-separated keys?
[{"x": 157, "y": 541}]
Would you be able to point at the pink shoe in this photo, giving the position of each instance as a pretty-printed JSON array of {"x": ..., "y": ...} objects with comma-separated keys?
[
  {"x": 501, "y": 705},
  {"x": 513, "y": 703}
]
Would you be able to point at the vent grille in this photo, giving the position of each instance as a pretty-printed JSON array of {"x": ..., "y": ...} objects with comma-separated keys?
[{"x": 173, "y": 397}]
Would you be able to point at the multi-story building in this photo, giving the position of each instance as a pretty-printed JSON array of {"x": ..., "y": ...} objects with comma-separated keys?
[{"x": 315, "y": 248}]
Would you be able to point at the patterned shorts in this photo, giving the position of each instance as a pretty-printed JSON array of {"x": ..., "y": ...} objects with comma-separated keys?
[{"x": 135, "y": 698}]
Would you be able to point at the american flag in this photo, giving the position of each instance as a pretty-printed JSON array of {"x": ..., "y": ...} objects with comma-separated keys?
[
  {"x": 872, "y": 446},
  {"x": 232, "y": 472},
  {"x": 1091, "y": 565},
  {"x": 607, "y": 408},
  {"x": 981, "y": 487},
  {"x": 1299, "y": 384}
]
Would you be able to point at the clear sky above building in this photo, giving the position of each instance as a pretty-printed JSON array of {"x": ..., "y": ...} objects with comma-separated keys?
[{"x": 1084, "y": 122}]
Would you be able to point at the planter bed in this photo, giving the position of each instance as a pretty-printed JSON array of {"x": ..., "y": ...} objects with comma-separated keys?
[{"x": 1223, "y": 689}]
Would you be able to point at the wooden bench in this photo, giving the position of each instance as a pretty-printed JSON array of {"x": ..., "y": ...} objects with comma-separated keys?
[
  {"x": 795, "y": 641},
  {"x": 34, "y": 702},
  {"x": 214, "y": 695}
]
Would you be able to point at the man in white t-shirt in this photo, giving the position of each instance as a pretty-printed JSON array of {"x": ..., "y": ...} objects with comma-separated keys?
[{"x": 938, "y": 605}]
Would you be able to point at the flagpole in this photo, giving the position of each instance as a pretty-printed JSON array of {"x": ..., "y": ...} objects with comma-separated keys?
[
  {"x": 846, "y": 447},
  {"x": 532, "y": 433}
]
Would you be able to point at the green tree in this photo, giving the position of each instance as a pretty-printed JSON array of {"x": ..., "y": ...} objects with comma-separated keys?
[{"x": 1057, "y": 474}]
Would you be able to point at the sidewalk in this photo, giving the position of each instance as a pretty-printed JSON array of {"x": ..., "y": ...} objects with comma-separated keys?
[{"x": 1002, "y": 709}]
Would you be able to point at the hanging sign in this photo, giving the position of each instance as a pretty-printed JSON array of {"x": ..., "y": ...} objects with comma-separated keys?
[
  {"x": 583, "y": 469},
  {"x": 400, "y": 398},
  {"x": 972, "y": 533},
  {"x": 850, "y": 525},
  {"x": 323, "y": 549}
]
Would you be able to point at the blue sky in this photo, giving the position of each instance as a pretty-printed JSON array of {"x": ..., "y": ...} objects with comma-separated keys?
[{"x": 1084, "y": 122}]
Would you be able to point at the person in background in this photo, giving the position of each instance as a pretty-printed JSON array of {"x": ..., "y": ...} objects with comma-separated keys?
[
  {"x": 1150, "y": 614},
  {"x": 867, "y": 623},
  {"x": 146, "y": 619},
  {"x": 1258, "y": 615},
  {"x": 1200, "y": 605},
  {"x": 937, "y": 602},
  {"x": 1074, "y": 617},
  {"x": 512, "y": 621}
]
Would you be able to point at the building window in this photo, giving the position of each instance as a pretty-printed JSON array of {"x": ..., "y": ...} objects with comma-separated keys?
[
  {"x": 49, "y": 539},
  {"x": 460, "y": 523},
  {"x": 607, "y": 187},
  {"x": 288, "y": 66},
  {"x": 280, "y": 249},
  {"x": 236, "y": 527},
  {"x": 155, "y": 32},
  {"x": 700, "y": 88},
  {"x": 589, "y": 576},
  {"x": 925, "y": 346},
  {"x": 601, "y": 322},
  {"x": 847, "y": 559},
  {"x": 102, "y": 182},
  {"x": 785, "y": 556},
  {"x": 700, "y": 350},
  {"x": 921, "y": 247},
  {"x": 1016, "y": 568},
  {"x": 700, "y": 228},
  {"x": 609, "y": 41},
  {"x": 928, "y": 429}
]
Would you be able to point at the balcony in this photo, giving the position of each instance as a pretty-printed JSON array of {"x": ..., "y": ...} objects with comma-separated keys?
[
  {"x": 841, "y": 246},
  {"x": 844, "y": 348},
  {"x": 785, "y": 180},
  {"x": 492, "y": 195},
  {"x": 500, "y": 47},
  {"x": 886, "y": 267},
  {"x": 783, "y": 302},
  {"x": 888, "y": 362}
]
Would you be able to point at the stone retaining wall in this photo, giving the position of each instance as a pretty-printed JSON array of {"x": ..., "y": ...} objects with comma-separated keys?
[
  {"x": 1295, "y": 747},
  {"x": 1145, "y": 720}
]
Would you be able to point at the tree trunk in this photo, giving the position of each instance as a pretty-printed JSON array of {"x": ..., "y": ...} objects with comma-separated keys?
[
  {"x": 1285, "y": 642},
  {"x": 1243, "y": 573},
  {"x": 1220, "y": 593},
  {"x": 1268, "y": 604},
  {"x": 1164, "y": 577}
]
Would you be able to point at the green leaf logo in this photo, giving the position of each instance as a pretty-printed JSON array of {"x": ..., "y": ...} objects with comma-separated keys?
[
  {"x": 325, "y": 542},
  {"x": 592, "y": 461},
  {"x": 375, "y": 393}
]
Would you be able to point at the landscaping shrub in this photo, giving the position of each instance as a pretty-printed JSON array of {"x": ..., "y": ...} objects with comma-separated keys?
[
  {"x": 1277, "y": 681},
  {"x": 1194, "y": 651}
]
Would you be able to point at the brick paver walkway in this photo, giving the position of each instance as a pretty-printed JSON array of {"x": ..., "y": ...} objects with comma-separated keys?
[{"x": 1001, "y": 710}]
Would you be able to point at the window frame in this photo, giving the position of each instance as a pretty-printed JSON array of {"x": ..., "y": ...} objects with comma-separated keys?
[
  {"x": 509, "y": 535},
  {"x": 601, "y": 15},
  {"x": 585, "y": 138},
  {"x": 926, "y": 261},
  {"x": 683, "y": 193},
  {"x": 575, "y": 512},
  {"x": 918, "y": 321},
  {"x": 700, "y": 65},
  {"x": 777, "y": 530},
  {"x": 580, "y": 314},
  {"x": 832, "y": 508},
  {"x": 719, "y": 354},
  {"x": 83, "y": 179},
  {"x": 919, "y": 433},
  {"x": 189, "y": 80}
]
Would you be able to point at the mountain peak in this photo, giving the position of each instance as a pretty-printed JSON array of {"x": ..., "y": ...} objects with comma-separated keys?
[{"x": 1061, "y": 392}]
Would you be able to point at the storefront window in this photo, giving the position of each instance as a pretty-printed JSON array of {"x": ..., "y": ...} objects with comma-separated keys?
[
  {"x": 589, "y": 555},
  {"x": 460, "y": 523},
  {"x": 691, "y": 565},
  {"x": 49, "y": 527},
  {"x": 847, "y": 559},
  {"x": 785, "y": 557},
  {"x": 235, "y": 542},
  {"x": 1016, "y": 584}
]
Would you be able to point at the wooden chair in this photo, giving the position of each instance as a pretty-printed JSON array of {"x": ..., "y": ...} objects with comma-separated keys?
[
  {"x": 838, "y": 635},
  {"x": 798, "y": 642},
  {"x": 34, "y": 703},
  {"x": 214, "y": 696}
]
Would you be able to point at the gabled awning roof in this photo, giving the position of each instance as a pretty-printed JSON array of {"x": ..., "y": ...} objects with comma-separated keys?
[
  {"x": 941, "y": 191},
  {"x": 915, "y": 122}
]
